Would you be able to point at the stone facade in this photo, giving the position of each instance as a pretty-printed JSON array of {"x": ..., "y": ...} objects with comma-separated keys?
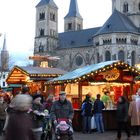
[
  {"x": 129, "y": 7},
  {"x": 115, "y": 45}
]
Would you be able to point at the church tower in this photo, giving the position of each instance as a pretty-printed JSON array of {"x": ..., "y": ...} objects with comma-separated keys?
[
  {"x": 4, "y": 57},
  {"x": 130, "y": 8},
  {"x": 46, "y": 34},
  {"x": 73, "y": 21}
]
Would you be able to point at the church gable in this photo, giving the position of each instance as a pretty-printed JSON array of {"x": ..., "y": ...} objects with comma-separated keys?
[{"x": 118, "y": 22}]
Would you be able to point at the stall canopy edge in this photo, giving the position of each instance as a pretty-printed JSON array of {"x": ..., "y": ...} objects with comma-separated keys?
[{"x": 87, "y": 71}]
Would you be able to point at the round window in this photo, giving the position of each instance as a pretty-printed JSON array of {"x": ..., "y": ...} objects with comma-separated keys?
[{"x": 79, "y": 60}]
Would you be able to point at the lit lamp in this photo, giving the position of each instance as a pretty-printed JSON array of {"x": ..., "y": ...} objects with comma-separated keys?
[
  {"x": 112, "y": 93},
  {"x": 137, "y": 66},
  {"x": 27, "y": 78}
]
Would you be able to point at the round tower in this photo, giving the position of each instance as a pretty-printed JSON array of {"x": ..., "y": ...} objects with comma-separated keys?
[{"x": 130, "y": 8}]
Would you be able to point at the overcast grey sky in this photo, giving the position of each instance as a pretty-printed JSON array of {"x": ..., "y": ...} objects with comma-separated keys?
[{"x": 17, "y": 19}]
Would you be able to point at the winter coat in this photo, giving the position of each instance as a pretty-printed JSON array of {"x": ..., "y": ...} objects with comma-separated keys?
[
  {"x": 98, "y": 106},
  {"x": 134, "y": 113},
  {"x": 122, "y": 112},
  {"x": 61, "y": 110},
  {"x": 87, "y": 107},
  {"x": 19, "y": 127},
  {"x": 36, "y": 117},
  {"x": 3, "y": 107},
  {"x": 48, "y": 105}
]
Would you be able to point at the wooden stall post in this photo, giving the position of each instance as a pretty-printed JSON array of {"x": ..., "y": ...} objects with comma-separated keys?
[
  {"x": 62, "y": 87},
  {"x": 80, "y": 93},
  {"x": 77, "y": 125}
]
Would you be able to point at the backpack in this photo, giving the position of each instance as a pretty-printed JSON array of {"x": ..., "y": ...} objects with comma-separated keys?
[{"x": 88, "y": 108}]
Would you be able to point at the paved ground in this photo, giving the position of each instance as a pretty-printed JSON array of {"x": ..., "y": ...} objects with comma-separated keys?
[{"x": 109, "y": 135}]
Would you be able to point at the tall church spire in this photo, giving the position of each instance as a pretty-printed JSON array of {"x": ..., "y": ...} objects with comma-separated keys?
[
  {"x": 73, "y": 20},
  {"x": 73, "y": 10},
  {"x": 4, "y": 44},
  {"x": 4, "y": 56}
]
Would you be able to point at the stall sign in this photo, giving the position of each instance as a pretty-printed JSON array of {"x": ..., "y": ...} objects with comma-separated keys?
[
  {"x": 128, "y": 78},
  {"x": 111, "y": 75}
]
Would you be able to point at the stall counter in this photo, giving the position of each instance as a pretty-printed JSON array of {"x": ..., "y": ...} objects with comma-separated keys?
[{"x": 109, "y": 117}]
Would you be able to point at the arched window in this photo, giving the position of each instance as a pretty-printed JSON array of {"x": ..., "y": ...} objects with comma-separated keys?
[
  {"x": 79, "y": 60},
  {"x": 125, "y": 7},
  {"x": 98, "y": 58},
  {"x": 42, "y": 16},
  {"x": 52, "y": 17},
  {"x": 139, "y": 6},
  {"x": 41, "y": 32},
  {"x": 133, "y": 58},
  {"x": 41, "y": 48},
  {"x": 107, "y": 56},
  {"x": 121, "y": 55}
]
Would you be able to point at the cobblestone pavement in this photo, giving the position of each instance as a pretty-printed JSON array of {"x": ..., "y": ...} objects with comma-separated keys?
[{"x": 109, "y": 135}]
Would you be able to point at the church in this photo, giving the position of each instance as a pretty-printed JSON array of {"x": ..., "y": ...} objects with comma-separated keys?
[
  {"x": 117, "y": 39},
  {"x": 4, "y": 64}
]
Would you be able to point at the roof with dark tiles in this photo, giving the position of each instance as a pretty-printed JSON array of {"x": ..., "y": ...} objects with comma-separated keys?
[
  {"x": 41, "y": 70},
  {"x": 118, "y": 22},
  {"x": 74, "y": 39},
  {"x": 73, "y": 10},
  {"x": 47, "y": 2}
]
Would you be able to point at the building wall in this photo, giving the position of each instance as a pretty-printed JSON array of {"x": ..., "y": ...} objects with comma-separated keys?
[
  {"x": 113, "y": 44},
  {"x": 116, "y": 42},
  {"x": 75, "y": 21},
  {"x": 133, "y": 9},
  {"x": 3, "y": 77},
  {"x": 46, "y": 37},
  {"x": 120, "y": 42}
]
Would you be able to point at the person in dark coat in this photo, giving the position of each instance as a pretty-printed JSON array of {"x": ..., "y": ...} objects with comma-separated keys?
[
  {"x": 122, "y": 117},
  {"x": 62, "y": 109},
  {"x": 49, "y": 102},
  {"x": 98, "y": 107},
  {"x": 37, "y": 116},
  {"x": 3, "y": 106},
  {"x": 19, "y": 124},
  {"x": 87, "y": 107}
]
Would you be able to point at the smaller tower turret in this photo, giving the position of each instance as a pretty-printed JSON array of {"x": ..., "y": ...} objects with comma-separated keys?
[{"x": 73, "y": 20}]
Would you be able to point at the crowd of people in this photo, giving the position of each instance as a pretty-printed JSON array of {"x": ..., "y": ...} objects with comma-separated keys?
[
  {"x": 26, "y": 115},
  {"x": 127, "y": 114}
]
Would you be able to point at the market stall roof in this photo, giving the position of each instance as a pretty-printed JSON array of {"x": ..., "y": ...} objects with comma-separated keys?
[
  {"x": 41, "y": 70},
  {"x": 21, "y": 74},
  {"x": 90, "y": 70}
]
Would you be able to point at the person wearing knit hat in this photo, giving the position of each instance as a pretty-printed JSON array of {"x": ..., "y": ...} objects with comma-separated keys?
[{"x": 62, "y": 108}]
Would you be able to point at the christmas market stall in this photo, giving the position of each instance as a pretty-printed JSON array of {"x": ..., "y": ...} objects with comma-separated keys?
[
  {"x": 114, "y": 77},
  {"x": 32, "y": 77}
]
